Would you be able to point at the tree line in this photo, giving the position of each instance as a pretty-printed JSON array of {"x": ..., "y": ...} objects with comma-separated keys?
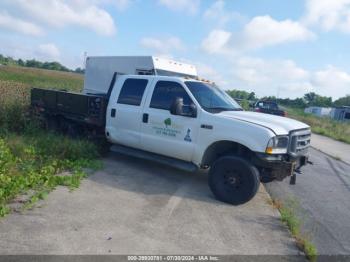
[
  {"x": 308, "y": 99},
  {"x": 7, "y": 60}
]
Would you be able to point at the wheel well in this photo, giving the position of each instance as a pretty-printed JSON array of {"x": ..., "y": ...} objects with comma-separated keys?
[{"x": 221, "y": 148}]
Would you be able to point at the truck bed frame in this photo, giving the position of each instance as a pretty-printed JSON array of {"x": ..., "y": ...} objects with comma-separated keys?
[{"x": 85, "y": 109}]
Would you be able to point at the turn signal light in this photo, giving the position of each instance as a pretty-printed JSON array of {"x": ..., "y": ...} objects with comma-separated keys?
[{"x": 269, "y": 150}]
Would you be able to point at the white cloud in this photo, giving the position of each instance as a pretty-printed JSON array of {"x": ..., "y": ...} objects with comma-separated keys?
[
  {"x": 284, "y": 78},
  {"x": 188, "y": 6},
  {"x": 261, "y": 31},
  {"x": 48, "y": 51},
  {"x": 62, "y": 13},
  {"x": 219, "y": 14},
  {"x": 217, "y": 42},
  {"x": 331, "y": 81},
  {"x": 9, "y": 22},
  {"x": 265, "y": 31},
  {"x": 329, "y": 14},
  {"x": 41, "y": 52},
  {"x": 163, "y": 47},
  {"x": 271, "y": 73}
]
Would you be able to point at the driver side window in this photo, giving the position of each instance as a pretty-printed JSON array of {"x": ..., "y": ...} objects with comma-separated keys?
[{"x": 165, "y": 92}]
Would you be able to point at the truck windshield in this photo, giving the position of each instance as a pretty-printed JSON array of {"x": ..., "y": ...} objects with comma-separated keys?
[{"x": 211, "y": 98}]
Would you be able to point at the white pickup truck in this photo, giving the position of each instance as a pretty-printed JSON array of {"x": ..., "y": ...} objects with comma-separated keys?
[{"x": 167, "y": 114}]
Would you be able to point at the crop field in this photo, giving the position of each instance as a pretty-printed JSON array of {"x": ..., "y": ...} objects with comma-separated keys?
[
  {"x": 15, "y": 82},
  {"x": 32, "y": 158}
]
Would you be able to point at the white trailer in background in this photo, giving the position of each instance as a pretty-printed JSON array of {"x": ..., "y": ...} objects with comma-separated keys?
[
  {"x": 319, "y": 111},
  {"x": 100, "y": 70}
]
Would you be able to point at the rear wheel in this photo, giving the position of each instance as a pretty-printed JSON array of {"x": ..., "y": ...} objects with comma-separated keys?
[{"x": 233, "y": 180}]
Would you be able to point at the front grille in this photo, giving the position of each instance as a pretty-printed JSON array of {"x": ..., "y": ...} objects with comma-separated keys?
[{"x": 300, "y": 142}]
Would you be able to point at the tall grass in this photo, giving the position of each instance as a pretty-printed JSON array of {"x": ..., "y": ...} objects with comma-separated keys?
[
  {"x": 33, "y": 77},
  {"x": 322, "y": 125},
  {"x": 30, "y": 157}
]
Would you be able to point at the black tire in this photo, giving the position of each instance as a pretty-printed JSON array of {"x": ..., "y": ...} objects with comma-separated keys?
[{"x": 233, "y": 180}]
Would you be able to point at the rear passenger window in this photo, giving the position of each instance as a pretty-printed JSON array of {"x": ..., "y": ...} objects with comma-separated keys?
[
  {"x": 132, "y": 91},
  {"x": 165, "y": 92}
]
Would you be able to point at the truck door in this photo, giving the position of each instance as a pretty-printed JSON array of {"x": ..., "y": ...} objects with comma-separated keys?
[
  {"x": 162, "y": 132},
  {"x": 124, "y": 113}
]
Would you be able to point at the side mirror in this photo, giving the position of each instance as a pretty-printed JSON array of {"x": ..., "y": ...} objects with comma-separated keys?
[
  {"x": 176, "y": 107},
  {"x": 193, "y": 110}
]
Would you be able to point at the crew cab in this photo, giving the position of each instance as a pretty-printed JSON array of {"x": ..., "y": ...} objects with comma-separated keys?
[{"x": 185, "y": 121}]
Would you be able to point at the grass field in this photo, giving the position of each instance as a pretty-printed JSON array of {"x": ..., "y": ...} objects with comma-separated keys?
[
  {"x": 41, "y": 78},
  {"x": 324, "y": 126},
  {"x": 15, "y": 82},
  {"x": 31, "y": 158}
]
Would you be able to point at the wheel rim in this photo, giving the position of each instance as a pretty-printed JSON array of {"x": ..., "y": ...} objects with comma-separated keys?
[{"x": 232, "y": 180}]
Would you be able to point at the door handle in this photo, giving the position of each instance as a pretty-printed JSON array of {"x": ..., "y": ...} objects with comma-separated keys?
[
  {"x": 113, "y": 111},
  {"x": 145, "y": 118}
]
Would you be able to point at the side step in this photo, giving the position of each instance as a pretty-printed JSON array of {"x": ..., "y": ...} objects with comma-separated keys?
[{"x": 175, "y": 163}]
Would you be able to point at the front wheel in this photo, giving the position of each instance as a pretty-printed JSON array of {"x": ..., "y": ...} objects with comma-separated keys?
[{"x": 233, "y": 180}]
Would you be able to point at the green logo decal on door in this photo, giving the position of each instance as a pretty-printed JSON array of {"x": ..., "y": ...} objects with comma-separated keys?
[{"x": 167, "y": 122}]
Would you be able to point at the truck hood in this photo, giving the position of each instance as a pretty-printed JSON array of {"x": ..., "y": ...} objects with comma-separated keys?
[{"x": 279, "y": 125}]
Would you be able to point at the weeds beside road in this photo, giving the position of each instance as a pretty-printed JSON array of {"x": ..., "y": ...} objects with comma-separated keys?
[
  {"x": 289, "y": 217},
  {"x": 322, "y": 125},
  {"x": 31, "y": 159}
]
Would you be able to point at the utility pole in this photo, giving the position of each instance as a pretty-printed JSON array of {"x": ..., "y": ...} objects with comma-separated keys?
[{"x": 278, "y": 93}]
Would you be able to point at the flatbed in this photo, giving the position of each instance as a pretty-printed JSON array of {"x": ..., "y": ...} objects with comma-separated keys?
[{"x": 68, "y": 108}]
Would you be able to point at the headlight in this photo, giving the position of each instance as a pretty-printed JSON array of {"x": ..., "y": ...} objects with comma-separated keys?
[{"x": 277, "y": 145}]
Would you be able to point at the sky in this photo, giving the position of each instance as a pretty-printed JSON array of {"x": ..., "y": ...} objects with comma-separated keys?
[{"x": 271, "y": 47}]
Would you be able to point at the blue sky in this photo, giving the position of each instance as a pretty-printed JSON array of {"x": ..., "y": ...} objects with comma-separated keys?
[{"x": 271, "y": 47}]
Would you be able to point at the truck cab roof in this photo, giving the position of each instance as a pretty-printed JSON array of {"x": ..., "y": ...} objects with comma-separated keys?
[{"x": 164, "y": 77}]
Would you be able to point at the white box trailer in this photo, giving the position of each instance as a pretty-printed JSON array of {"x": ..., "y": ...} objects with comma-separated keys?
[{"x": 100, "y": 70}]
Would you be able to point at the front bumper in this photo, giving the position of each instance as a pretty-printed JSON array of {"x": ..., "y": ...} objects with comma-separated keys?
[{"x": 279, "y": 167}]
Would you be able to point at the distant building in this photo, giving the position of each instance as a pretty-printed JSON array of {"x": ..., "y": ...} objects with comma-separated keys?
[
  {"x": 319, "y": 111},
  {"x": 341, "y": 113}
]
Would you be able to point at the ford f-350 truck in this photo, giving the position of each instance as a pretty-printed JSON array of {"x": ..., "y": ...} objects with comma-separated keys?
[{"x": 160, "y": 110}]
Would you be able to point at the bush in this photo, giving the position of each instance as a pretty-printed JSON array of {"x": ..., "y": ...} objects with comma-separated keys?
[{"x": 13, "y": 118}]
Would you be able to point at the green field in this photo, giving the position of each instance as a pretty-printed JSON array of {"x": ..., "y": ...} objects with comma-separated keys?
[
  {"x": 31, "y": 157},
  {"x": 322, "y": 125},
  {"x": 15, "y": 82}
]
